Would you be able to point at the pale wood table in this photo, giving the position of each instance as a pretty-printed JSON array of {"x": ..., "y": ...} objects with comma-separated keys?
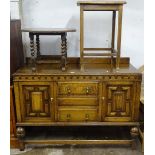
[
  {"x": 48, "y": 31},
  {"x": 102, "y": 5}
]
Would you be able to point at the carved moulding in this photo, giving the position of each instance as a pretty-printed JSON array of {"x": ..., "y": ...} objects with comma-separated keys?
[{"x": 76, "y": 77}]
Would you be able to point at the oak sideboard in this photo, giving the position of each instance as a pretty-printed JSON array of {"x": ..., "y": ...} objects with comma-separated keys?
[{"x": 92, "y": 96}]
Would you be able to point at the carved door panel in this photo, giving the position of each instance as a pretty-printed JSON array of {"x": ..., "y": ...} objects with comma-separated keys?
[
  {"x": 37, "y": 101},
  {"x": 118, "y": 102}
]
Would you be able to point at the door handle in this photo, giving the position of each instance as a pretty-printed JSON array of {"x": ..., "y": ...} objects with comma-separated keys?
[{"x": 51, "y": 99}]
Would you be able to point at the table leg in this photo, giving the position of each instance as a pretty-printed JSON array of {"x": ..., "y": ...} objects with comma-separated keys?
[
  {"x": 38, "y": 45},
  {"x": 63, "y": 51},
  {"x": 120, "y": 11},
  {"x": 113, "y": 35},
  {"x": 81, "y": 35},
  {"x": 32, "y": 51},
  {"x": 134, "y": 133},
  {"x": 20, "y": 133}
]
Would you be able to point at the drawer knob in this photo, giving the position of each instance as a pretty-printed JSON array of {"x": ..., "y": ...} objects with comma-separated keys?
[
  {"x": 68, "y": 90},
  {"x": 87, "y": 117},
  {"x": 68, "y": 117},
  {"x": 103, "y": 98}
]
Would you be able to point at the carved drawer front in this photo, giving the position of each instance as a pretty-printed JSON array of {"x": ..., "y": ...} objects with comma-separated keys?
[
  {"x": 119, "y": 102},
  {"x": 77, "y": 101},
  {"x": 36, "y": 102},
  {"x": 77, "y": 114},
  {"x": 77, "y": 88}
]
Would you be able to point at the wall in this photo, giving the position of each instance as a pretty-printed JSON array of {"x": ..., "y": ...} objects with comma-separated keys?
[
  {"x": 14, "y": 9},
  {"x": 65, "y": 13}
]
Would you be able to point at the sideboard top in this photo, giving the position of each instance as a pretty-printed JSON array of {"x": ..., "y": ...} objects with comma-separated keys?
[
  {"x": 47, "y": 69},
  {"x": 100, "y": 2}
]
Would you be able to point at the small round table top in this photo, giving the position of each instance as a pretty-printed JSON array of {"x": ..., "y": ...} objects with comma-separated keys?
[{"x": 48, "y": 30}]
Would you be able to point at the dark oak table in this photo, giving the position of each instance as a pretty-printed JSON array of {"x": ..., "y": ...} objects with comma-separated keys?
[{"x": 48, "y": 31}]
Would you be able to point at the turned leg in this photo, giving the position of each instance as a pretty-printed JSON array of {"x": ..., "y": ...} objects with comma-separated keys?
[
  {"x": 20, "y": 133},
  {"x": 32, "y": 51},
  {"x": 63, "y": 51},
  {"x": 134, "y": 133},
  {"x": 38, "y": 45}
]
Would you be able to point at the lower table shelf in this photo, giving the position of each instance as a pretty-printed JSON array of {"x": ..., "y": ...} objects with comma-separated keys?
[{"x": 78, "y": 135}]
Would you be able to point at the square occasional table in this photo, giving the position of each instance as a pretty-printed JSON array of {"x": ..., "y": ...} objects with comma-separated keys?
[{"x": 102, "y": 5}]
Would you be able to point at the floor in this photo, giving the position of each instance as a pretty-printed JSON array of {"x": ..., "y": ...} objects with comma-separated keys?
[{"x": 79, "y": 150}]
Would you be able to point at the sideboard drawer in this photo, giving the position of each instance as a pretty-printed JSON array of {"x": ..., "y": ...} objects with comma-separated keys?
[
  {"x": 77, "y": 88},
  {"x": 92, "y": 101},
  {"x": 77, "y": 114}
]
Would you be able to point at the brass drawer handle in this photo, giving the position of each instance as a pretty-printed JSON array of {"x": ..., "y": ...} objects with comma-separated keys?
[
  {"x": 118, "y": 110},
  {"x": 68, "y": 90},
  {"x": 68, "y": 117},
  {"x": 88, "y": 90},
  {"x": 87, "y": 117}
]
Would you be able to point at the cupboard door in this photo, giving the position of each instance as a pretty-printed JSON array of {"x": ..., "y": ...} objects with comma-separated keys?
[
  {"x": 118, "y": 103},
  {"x": 37, "y": 101}
]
